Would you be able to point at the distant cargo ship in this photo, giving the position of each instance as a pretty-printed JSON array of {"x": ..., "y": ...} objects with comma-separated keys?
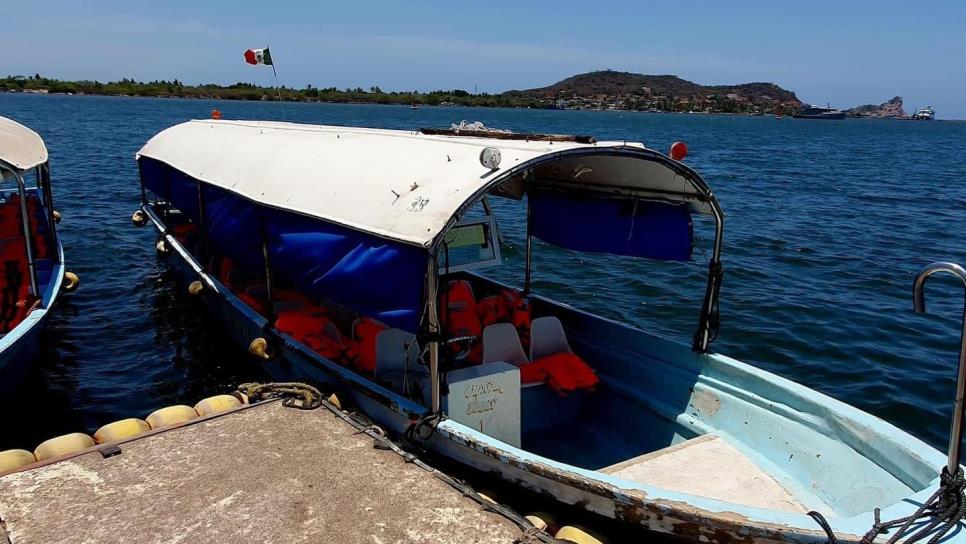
[
  {"x": 924, "y": 114},
  {"x": 819, "y": 112}
]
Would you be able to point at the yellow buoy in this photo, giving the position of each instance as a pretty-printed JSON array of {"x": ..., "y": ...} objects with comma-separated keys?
[
  {"x": 119, "y": 430},
  {"x": 259, "y": 348},
  {"x": 171, "y": 415},
  {"x": 487, "y": 496},
  {"x": 196, "y": 287},
  {"x": 543, "y": 521},
  {"x": 334, "y": 401},
  {"x": 57, "y": 216},
  {"x": 577, "y": 535},
  {"x": 161, "y": 246},
  {"x": 71, "y": 281},
  {"x": 62, "y": 445},
  {"x": 14, "y": 459},
  {"x": 215, "y": 404},
  {"x": 139, "y": 218}
]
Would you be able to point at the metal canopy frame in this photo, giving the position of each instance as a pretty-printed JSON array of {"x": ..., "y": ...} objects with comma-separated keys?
[
  {"x": 43, "y": 186},
  {"x": 708, "y": 322}
]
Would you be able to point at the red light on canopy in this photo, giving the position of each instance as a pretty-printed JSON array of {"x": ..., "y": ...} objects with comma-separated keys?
[{"x": 678, "y": 151}]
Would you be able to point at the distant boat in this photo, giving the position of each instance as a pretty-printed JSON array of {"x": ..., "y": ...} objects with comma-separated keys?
[
  {"x": 415, "y": 106},
  {"x": 819, "y": 112},
  {"x": 924, "y": 114}
]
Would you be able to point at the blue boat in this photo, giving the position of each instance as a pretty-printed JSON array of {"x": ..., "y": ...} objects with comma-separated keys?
[
  {"x": 30, "y": 251},
  {"x": 356, "y": 258}
]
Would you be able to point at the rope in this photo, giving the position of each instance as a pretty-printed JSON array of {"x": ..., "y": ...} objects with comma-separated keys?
[
  {"x": 295, "y": 394},
  {"x": 936, "y": 517}
]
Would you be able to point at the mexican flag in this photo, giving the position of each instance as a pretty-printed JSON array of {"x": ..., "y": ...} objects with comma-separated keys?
[{"x": 258, "y": 56}]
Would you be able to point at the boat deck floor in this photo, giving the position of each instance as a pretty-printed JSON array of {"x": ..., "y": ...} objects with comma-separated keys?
[
  {"x": 261, "y": 474},
  {"x": 695, "y": 467}
]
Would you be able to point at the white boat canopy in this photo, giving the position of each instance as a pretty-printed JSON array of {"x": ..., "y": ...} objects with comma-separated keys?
[
  {"x": 20, "y": 147},
  {"x": 402, "y": 185}
]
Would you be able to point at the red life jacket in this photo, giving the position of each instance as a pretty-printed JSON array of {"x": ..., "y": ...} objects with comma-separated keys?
[
  {"x": 365, "y": 330},
  {"x": 462, "y": 319},
  {"x": 564, "y": 372}
]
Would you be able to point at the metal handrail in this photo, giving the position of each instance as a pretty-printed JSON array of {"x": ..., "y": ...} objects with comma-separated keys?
[{"x": 919, "y": 304}]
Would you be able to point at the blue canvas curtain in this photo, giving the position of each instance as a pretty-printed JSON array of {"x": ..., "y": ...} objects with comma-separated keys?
[
  {"x": 642, "y": 228},
  {"x": 373, "y": 276}
]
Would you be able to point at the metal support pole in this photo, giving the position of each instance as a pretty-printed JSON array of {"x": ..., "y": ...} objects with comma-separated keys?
[
  {"x": 702, "y": 337},
  {"x": 526, "y": 279},
  {"x": 919, "y": 304},
  {"x": 433, "y": 326},
  {"x": 144, "y": 192},
  {"x": 202, "y": 225},
  {"x": 269, "y": 288},
  {"x": 43, "y": 173},
  {"x": 28, "y": 238}
]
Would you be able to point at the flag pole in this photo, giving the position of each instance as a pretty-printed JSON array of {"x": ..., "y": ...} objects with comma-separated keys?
[{"x": 278, "y": 89}]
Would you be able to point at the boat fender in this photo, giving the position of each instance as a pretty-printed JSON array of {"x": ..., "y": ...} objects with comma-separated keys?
[
  {"x": 14, "y": 459},
  {"x": 196, "y": 287},
  {"x": 488, "y": 496},
  {"x": 57, "y": 216},
  {"x": 543, "y": 521},
  {"x": 577, "y": 535},
  {"x": 162, "y": 246},
  {"x": 171, "y": 415},
  {"x": 62, "y": 445},
  {"x": 259, "y": 348},
  {"x": 215, "y": 404},
  {"x": 71, "y": 281},
  {"x": 139, "y": 218},
  {"x": 121, "y": 430}
]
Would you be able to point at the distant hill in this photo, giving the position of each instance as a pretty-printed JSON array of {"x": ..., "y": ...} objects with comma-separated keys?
[
  {"x": 891, "y": 109},
  {"x": 611, "y": 86}
]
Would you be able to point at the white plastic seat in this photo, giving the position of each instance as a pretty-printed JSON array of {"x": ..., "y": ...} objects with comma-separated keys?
[
  {"x": 396, "y": 353},
  {"x": 391, "y": 346},
  {"x": 547, "y": 338},
  {"x": 501, "y": 342}
]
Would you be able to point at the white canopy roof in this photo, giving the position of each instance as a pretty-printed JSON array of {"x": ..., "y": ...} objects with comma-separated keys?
[
  {"x": 401, "y": 185},
  {"x": 20, "y": 147}
]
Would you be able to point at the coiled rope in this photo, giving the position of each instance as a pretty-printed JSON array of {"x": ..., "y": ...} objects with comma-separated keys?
[
  {"x": 294, "y": 394},
  {"x": 936, "y": 517}
]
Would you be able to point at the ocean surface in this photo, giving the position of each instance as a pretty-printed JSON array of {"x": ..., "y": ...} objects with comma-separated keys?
[{"x": 827, "y": 224}]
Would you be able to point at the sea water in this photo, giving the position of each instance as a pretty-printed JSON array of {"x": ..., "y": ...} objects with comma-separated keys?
[{"x": 827, "y": 224}]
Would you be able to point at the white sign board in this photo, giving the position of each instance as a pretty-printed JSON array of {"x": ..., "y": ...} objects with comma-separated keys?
[{"x": 486, "y": 398}]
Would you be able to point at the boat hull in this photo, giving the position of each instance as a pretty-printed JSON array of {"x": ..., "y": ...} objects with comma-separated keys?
[
  {"x": 673, "y": 513},
  {"x": 21, "y": 346}
]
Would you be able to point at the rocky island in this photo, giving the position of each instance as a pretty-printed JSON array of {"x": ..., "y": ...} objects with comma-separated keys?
[{"x": 891, "y": 109}]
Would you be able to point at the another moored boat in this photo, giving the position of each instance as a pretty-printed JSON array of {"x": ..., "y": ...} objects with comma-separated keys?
[
  {"x": 819, "y": 112},
  {"x": 353, "y": 257},
  {"x": 30, "y": 251},
  {"x": 924, "y": 114}
]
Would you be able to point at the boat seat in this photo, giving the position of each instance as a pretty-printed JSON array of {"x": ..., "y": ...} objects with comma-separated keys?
[
  {"x": 396, "y": 352},
  {"x": 547, "y": 338},
  {"x": 501, "y": 342},
  {"x": 708, "y": 466}
]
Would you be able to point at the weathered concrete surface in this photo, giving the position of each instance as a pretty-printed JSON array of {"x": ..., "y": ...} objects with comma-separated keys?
[{"x": 265, "y": 474}]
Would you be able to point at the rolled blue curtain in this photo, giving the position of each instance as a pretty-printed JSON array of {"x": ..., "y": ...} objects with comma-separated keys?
[{"x": 641, "y": 228}]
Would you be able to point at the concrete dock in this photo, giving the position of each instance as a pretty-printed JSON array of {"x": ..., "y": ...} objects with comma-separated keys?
[{"x": 264, "y": 473}]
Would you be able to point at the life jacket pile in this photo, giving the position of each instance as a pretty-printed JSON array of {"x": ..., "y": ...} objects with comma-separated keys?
[
  {"x": 15, "y": 298},
  {"x": 312, "y": 326},
  {"x": 467, "y": 317},
  {"x": 564, "y": 372}
]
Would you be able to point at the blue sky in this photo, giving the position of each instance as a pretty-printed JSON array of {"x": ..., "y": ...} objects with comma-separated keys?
[{"x": 845, "y": 52}]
